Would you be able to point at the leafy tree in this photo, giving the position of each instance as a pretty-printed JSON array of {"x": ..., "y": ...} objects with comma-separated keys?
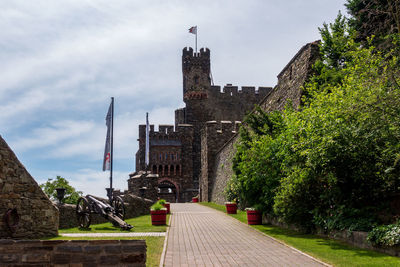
[
  {"x": 71, "y": 195},
  {"x": 335, "y": 163},
  {"x": 379, "y": 18}
]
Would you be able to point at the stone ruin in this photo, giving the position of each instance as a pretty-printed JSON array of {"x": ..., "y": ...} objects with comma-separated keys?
[{"x": 25, "y": 210}]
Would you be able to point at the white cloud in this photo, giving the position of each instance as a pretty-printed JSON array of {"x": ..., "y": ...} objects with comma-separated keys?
[{"x": 61, "y": 62}]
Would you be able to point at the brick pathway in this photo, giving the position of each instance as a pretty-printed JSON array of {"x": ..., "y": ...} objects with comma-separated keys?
[
  {"x": 201, "y": 236},
  {"x": 114, "y": 234}
]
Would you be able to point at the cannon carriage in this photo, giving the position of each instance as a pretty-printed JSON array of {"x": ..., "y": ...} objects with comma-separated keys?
[{"x": 115, "y": 213}]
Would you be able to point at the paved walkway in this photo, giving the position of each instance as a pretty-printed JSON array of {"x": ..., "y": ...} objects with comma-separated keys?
[
  {"x": 114, "y": 234},
  {"x": 201, "y": 236}
]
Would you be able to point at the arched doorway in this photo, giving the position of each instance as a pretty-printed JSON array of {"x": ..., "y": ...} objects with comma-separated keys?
[{"x": 168, "y": 190}]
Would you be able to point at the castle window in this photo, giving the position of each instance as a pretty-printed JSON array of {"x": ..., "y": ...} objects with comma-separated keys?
[
  {"x": 160, "y": 156},
  {"x": 172, "y": 156},
  {"x": 154, "y": 169},
  {"x": 166, "y": 156},
  {"x": 159, "y": 170},
  {"x": 166, "y": 170},
  {"x": 172, "y": 170},
  {"x": 290, "y": 72},
  {"x": 178, "y": 169}
]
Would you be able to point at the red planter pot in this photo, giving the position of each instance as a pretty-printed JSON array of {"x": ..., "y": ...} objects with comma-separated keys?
[
  {"x": 231, "y": 208},
  {"x": 254, "y": 217},
  {"x": 166, "y": 205},
  {"x": 195, "y": 199},
  {"x": 158, "y": 217}
]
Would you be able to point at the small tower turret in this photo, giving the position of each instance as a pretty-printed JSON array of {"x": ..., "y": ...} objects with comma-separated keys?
[{"x": 196, "y": 73}]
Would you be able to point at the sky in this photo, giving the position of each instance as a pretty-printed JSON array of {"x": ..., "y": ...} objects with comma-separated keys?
[{"x": 62, "y": 61}]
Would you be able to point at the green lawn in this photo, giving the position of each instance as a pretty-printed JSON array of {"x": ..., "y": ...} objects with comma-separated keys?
[
  {"x": 140, "y": 224},
  {"x": 154, "y": 245},
  {"x": 327, "y": 250}
]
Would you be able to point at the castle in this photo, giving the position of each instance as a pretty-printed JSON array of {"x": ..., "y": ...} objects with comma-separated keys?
[{"x": 184, "y": 155}]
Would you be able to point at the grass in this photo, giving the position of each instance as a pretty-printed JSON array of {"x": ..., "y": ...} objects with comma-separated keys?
[
  {"x": 140, "y": 224},
  {"x": 154, "y": 245},
  {"x": 327, "y": 250}
]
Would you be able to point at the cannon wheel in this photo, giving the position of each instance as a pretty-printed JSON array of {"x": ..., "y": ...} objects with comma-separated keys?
[
  {"x": 83, "y": 212},
  {"x": 119, "y": 207}
]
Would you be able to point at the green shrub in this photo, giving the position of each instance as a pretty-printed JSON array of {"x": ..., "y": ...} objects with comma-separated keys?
[
  {"x": 385, "y": 235},
  {"x": 162, "y": 201},
  {"x": 157, "y": 206}
]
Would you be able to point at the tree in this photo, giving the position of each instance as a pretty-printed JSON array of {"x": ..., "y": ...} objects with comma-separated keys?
[
  {"x": 71, "y": 195},
  {"x": 379, "y": 18}
]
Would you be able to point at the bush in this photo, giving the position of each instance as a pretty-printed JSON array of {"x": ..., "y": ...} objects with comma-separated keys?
[
  {"x": 157, "y": 206},
  {"x": 334, "y": 163},
  {"x": 162, "y": 201},
  {"x": 386, "y": 235}
]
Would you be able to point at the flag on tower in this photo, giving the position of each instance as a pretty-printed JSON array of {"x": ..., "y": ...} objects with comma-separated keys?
[{"x": 193, "y": 29}]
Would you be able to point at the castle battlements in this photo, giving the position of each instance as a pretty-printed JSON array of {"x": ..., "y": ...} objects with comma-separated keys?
[
  {"x": 188, "y": 51},
  {"x": 222, "y": 127},
  {"x": 232, "y": 90},
  {"x": 166, "y": 130}
]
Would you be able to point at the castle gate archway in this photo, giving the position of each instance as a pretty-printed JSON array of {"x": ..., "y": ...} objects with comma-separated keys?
[{"x": 168, "y": 190}]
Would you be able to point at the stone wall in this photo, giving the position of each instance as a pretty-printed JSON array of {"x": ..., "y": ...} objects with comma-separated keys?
[
  {"x": 292, "y": 79},
  {"x": 72, "y": 253},
  {"x": 354, "y": 238},
  {"x": 134, "y": 206},
  {"x": 213, "y": 136},
  {"x": 222, "y": 171},
  {"x": 289, "y": 89},
  {"x": 38, "y": 217},
  {"x": 143, "y": 180}
]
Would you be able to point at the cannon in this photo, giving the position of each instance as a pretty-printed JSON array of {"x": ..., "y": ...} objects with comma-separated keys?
[{"x": 115, "y": 213}]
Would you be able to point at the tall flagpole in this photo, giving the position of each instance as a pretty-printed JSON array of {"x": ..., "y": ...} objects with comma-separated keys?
[
  {"x": 196, "y": 39},
  {"x": 112, "y": 137},
  {"x": 147, "y": 155}
]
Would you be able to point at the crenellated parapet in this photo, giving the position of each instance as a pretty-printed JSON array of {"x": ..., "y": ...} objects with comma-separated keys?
[
  {"x": 241, "y": 93},
  {"x": 165, "y": 130}
]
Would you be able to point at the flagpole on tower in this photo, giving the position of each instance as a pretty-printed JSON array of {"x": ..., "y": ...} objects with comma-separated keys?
[
  {"x": 147, "y": 152},
  {"x": 193, "y": 30}
]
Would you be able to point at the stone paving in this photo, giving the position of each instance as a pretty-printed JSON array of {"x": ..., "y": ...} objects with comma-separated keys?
[
  {"x": 201, "y": 236},
  {"x": 114, "y": 234}
]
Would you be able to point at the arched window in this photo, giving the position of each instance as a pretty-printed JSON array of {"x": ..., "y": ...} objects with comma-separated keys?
[
  {"x": 166, "y": 170},
  {"x": 166, "y": 156},
  {"x": 160, "y": 156},
  {"x": 154, "y": 169},
  {"x": 178, "y": 169},
  {"x": 172, "y": 169},
  {"x": 172, "y": 156},
  {"x": 160, "y": 170}
]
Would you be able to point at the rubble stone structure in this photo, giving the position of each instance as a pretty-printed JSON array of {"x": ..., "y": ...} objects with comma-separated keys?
[
  {"x": 175, "y": 154},
  {"x": 30, "y": 212}
]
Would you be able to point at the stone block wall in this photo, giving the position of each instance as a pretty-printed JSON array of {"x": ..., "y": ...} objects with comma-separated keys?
[
  {"x": 222, "y": 171},
  {"x": 72, "y": 253},
  {"x": 38, "y": 217},
  {"x": 292, "y": 79},
  {"x": 143, "y": 179},
  {"x": 213, "y": 136}
]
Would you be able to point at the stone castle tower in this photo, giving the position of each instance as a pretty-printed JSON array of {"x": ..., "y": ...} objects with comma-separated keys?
[{"x": 181, "y": 148}]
